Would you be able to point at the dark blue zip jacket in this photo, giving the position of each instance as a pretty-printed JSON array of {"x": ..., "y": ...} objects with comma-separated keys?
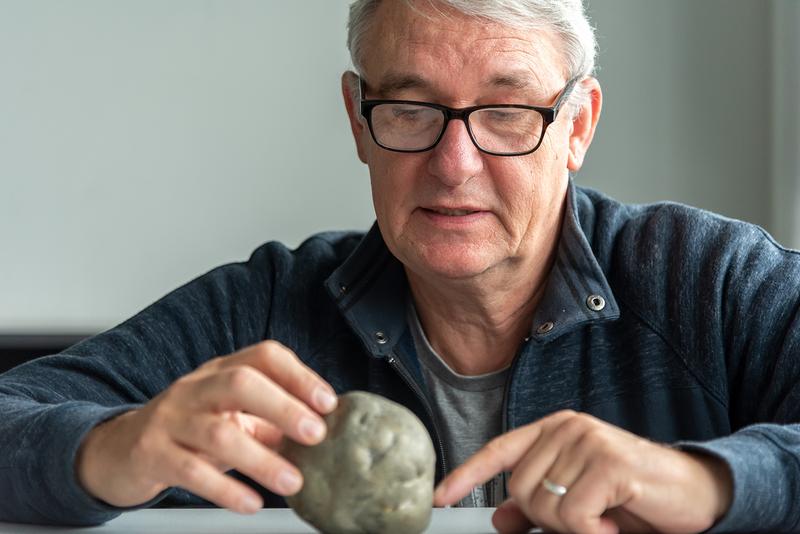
[{"x": 694, "y": 342}]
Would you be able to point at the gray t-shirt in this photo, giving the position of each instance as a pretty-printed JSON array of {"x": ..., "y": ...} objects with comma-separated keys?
[{"x": 468, "y": 411}]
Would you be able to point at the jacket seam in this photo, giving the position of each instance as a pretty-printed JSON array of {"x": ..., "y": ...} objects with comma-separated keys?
[
  {"x": 684, "y": 360},
  {"x": 272, "y": 281},
  {"x": 775, "y": 243}
]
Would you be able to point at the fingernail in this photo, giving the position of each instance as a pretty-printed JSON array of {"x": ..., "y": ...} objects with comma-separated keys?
[
  {"x": 289, "y": 483},
  {"x": 312, "y": 429},
  {"x": 250, "y": 504},
  {"x": 324, "y": 399}
]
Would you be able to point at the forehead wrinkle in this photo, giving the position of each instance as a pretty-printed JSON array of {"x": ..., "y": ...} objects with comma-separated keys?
[
  {"x": 428, "y": 49},
  {"x": 502, "y": 65},
  {"x": 538, "y": 54},
  {"x": 511, "y": 62}
]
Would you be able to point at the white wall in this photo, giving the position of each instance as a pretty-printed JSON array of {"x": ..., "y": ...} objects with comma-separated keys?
[
  {"x": 144, "y": 142},
  {"x": 786, "y": 121},
  {"x": 687, "y": 113}
]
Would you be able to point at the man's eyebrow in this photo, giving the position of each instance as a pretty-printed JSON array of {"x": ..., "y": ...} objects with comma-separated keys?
[
  {"x": 512, "y": 80},
  {"x": 394, "y": 82}
]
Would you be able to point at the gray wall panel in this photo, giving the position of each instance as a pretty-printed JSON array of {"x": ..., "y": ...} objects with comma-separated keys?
[{"x": 144, "y": 142}]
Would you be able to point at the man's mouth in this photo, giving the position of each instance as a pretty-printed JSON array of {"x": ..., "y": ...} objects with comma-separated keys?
[{"x": 452, "y": 212}]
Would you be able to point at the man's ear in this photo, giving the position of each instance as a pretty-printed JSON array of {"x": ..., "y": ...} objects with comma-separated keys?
[
  {"x": 357, "y": 125},
  {"x": 584, "y": 123}
]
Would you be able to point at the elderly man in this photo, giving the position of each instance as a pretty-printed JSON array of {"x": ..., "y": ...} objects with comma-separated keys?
[{"x": 583, "y": 365}]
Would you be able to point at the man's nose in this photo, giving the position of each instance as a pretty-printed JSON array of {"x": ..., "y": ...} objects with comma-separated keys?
[{"x": 455, "y": 159}]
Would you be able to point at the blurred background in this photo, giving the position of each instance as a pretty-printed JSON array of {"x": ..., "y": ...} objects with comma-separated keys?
[{"x": 144, "y": 142}]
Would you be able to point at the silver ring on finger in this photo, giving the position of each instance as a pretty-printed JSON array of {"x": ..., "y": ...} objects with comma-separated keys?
[{"x": 556, "y": 489}]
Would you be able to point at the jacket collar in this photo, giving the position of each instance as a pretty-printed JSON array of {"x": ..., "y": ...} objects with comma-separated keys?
[
  {"x": 577, "y": 291},
  {"x": 371, "y": 288}
]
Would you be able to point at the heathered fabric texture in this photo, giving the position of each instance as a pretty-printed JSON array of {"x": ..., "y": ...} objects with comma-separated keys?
[
  {"x": 468, "y": 410},
  {"x": 697, "y": 343}
]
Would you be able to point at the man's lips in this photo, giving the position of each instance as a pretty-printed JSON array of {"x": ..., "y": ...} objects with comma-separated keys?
[
  {"x": 459, "y": 211},
  {"x": 454, "y": 217}
]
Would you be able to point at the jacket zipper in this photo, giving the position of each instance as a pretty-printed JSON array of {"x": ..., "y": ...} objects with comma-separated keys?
[
  {"x": 397, "y": 365},
  {"x": 507, "y": 387},
  {"x": 506, "y": 391}
]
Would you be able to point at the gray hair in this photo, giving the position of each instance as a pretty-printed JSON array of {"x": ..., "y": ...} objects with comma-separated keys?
[{"x": 565, "y": 18}]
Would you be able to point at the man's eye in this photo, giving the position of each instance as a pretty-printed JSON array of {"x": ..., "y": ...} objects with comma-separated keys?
[
  {"x": 407, "y": 113},
  {"x": 505, "y": 115}
]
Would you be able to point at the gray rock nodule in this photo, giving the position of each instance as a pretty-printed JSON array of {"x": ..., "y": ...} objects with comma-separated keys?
[{"x": 372, "y": 474}]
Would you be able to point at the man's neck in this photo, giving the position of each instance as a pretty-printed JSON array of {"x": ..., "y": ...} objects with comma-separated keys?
[{"x": 477, "y": 325}]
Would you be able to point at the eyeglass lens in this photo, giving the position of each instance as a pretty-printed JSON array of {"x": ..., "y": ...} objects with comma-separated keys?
[{"x": 498, "y": 129}]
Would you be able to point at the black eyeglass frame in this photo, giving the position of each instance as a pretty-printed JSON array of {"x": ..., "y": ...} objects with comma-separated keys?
[{"x": 549, "y": 115}]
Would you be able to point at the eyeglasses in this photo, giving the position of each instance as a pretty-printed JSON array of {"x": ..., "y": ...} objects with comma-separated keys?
[{"x": 496, "y": 129}]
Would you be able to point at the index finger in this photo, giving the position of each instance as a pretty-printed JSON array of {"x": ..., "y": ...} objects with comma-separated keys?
[
  {"x": 503, "y": 453},
  {"x": 284, "y": 368}
]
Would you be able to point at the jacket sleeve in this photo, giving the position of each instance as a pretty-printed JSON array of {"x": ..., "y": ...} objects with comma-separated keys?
[
  {"x": 755, "y": 285},
  {"x": 764, "y": 460},
  {"x": 48, "y": 405}
]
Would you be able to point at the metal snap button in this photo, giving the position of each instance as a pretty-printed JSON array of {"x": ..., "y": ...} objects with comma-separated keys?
[
  {"x": 545, "y": 327},
  {"x": 595, "y": 302},
  {"x": 381, "y": 338}
]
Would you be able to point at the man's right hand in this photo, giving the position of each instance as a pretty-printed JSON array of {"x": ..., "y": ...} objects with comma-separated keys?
[{"x": 230, "y": 413}]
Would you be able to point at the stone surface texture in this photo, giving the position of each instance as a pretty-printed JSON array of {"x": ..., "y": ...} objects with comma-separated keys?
[{"x": 373, "y": 473}]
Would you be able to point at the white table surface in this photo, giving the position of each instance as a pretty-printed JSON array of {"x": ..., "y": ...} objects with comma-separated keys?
[{"x": 267, "y": 521}]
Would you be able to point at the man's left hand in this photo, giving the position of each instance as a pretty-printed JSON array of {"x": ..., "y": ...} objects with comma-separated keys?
[{"x": 615, "y": 481}]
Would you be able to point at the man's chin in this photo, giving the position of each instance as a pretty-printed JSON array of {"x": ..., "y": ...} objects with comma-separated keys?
[
  {"x": 454, "y": 268},
  {"x": 450, "y": 259}
]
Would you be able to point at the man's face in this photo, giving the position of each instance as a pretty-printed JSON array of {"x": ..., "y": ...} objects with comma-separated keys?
[{"x": 514, "y": 204}]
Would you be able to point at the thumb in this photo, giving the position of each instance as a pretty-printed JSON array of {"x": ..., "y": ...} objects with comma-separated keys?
[{"x": 509, "y": 519}]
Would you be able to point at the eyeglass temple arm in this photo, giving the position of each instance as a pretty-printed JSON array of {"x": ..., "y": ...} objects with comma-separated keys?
[
  {"x": 362, "y": 87},
  {"x": 362, "y": 90},
  {"x": 565, "y": 95}
]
